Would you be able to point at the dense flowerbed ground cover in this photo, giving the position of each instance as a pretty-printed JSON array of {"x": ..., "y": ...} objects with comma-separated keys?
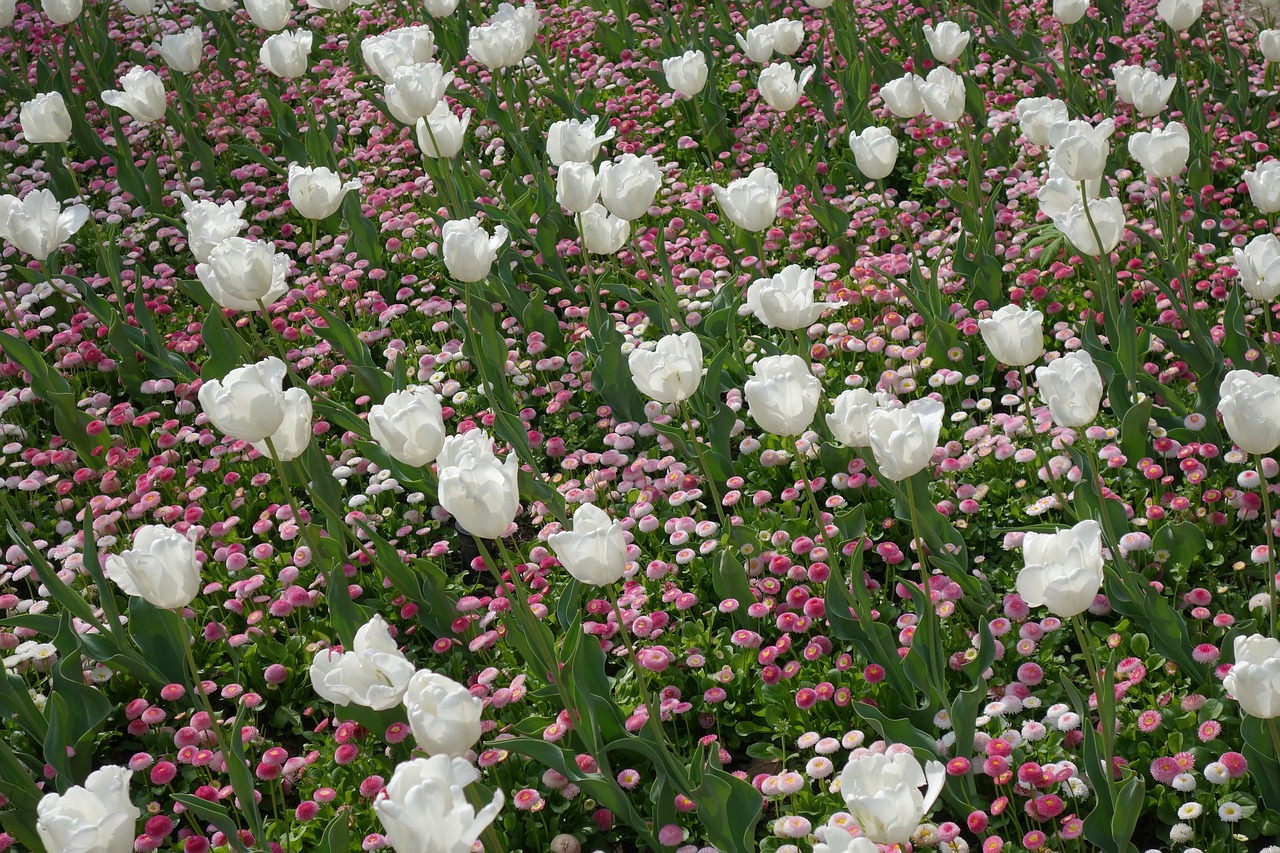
[{"x": 546, "y": 427}]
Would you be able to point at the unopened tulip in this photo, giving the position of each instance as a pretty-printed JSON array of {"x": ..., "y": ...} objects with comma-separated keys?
[
  {"x": 1146, "y": 90},
  {"x": 875, "y": 150},
  {"x": 140, "y": 7},
  {"x": 210, "y": 224},
  {"x": 757, "y": 43},
  {"x": 1258, "y": 265},
  {"x": 468, "y": 250},
  {"x": 1037, "y": 118},
  {"x": 786, "y": 301},
  {"x": 903, "y": 440},
  {"x": 671, "y": 371},
  {"x": 183, "y": 51},
  {"x": 141, "y": 95},
  {"x": 1081, "y": 149},
  {"x": 1162, "y": 153},
  {"x": 478, "y": 490},
  {"x": 248, "y": 403},
  {"x": 1264, "y": 186},
  {"x": 386, "y": 52},
  {"x": 629, "y": 185},
  {"x": 882, "y": 793},
  {"x": 849, "y": 420},
  {"x": 270, "y": 15},
  {"x": 424, "y": 808},
  {"x": 497, "y": 45},
  {"x": 294, "y": 435},
  {"x": 573, "y": 141},
  {"x": 788, "y": 35},
  {"x": 317, "y": 192},
  {"x": 1104, "y": 215},
  {"x": 374, "y": 673},
  {"x": 287, "y": 54},
  {"x": 687, "y": 73},
  {"x": 577, "y": 187},
  {"x": 416, "y": 90},
  {"x": 409, "y": 426},
  {"x": 99, "y": 816},
  {"x": 1269, "y": 44},
  {"x": 440, "y": 8},
  {"x": 8, "y": 9},
  {"x": 1015, "y": 336},
  {"x": 1250, "y": 408},
  {"x": 1062, "y": 571},
  {"x": 783, "y": 395},
  {"x": 943, "y": 94},
  {"x": 602, "y": 232},
  {"x": 37, "y": 224},
  {"x": 947, "y": 41},
  {"x": 751, "y": 203},
  {"x": 779, "y": 87},
  {"x": 902, "y": 96},
  {"x": 45, "y": 119},
  {"x": 442, "y": 134},
  {"x": 160, "y": 568},
  {"x": 1070, "y": 11},
  {"x": 1071, "y": 387},
  {"x": 1254, "y": 679},
  {"x": 62, "y": 12},
  {"x": 594, "y": 551},
  {"x": 1179, "y": 14},
  {"x": 443, "y": 715},
  {"x": 244, "y": 275}
]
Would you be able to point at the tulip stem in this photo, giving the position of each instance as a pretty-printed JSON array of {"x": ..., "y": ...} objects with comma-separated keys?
[
  {"x": 686, "y": 412},
  {"x": 1271, "y": 546},
  {"x": 1040, "y": 451},
  {"x": 593, "y": 295},
  {"x": 653, "y": 713},
  {"x": 813, "y": 501},
  {"x": 1105, "y": 720}
]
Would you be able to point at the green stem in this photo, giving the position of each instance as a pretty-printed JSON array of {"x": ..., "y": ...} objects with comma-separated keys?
[
  {"x": 1041, "y": 454},
  {"x": 686, "y": 412},
  {"x": 653, "y": 711},
  {"x": 1107, "y": 725},
  {"x": 1271, "y": 547}
]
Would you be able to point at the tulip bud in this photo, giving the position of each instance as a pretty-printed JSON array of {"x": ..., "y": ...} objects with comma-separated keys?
[
  {"x": 849, "y": 421},
  {"x": 875, "y": 150},
  {"x": 425, "y": 800},
  {"x": 882, "y": 794},
  {"x": 757, "y": 44},
  {"x": 687, "y": 73},
  {"x": 210, "y": 224},
  {"x": 577, "y": 187},
  {"x": 943, "y": 94},
  {"x": 1014, "y": 336},
  {"x": 1269, "y": 44},
  {"x": 573, "y": 141},
  {"x": 1069, "y": 12},
  {"x": 902, "y": 96},
  {"x": 441, "y": 134},
  {"x": 903, "y": 440},
  {"x": 443, "y": 715},
  {"x": 1063, "y": 570},
  {"x": 406, "y": 46},
  {"x": 317, "y": 192},
  {"x": 779, "y": 87},
  {"x": 1254, "y": 679},
  {"x": 244, "y": 275},
  {"x": 270, "y": 15},
  {"x": 1258, "y": 265},
  {"x": 602, "y": 232},
  {"x": 374, "y": 673},
  {"x": 671, "y": 371},
  {"x": 1162, "y": 153},
  {"x": 62, "y": 12},
  {"x": 140, "y": 7},
  {"x": 594, "y": 551},
  {"x": 1179, "y": 14},
  {"x": 1146, "y": 90},
  {"x": 183, "y": 51},
  {"x": 216, "y": 5},
  {"x": 1250, "y": 408},
  {"x": 1105, "y": 215},
  {"x": 45, "y": 119},
  {"x": 287, "y": 54},
  {"x": 500, "y": 42},
  {"x": 947, "y": 41},
  {"x": 787, "y": 35},
  {"x": 628, "y": 186},
  {"x": 1264, "y": 186},
  {"x": 480, "y": 492},
  {"x": 440, "y": 8},
  {"x": 141, "y": 95},
  {"x": 785, "y": 301},
  {"x": 409, "y": 426},
  {"x": 1081, "y": 150},
  {"x": 1071, "y": 387},
  {"x": 7, "y": 10},
  {"x": 100, "y": 815},
  {"x": 469, "y": 251},
  {"x": 783, "y": 396},
  {"x": 294, "y": 435},
  {"x": 751, "y": 203},
  {"x": 248, "y": 403},
  {"x": 416, "y": 90},
  {"x": 37, "y": 225},
  {"x": 1038, "y": 118}
]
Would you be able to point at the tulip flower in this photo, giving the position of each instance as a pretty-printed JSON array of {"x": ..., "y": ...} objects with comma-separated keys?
[
  {"x": 294, "y": 435},
  {"x": 248, "y": 403},
  {"x": 629, "y": 186},
  {"x": 573, "y": 141},
  {"x": 141, "y": 95},
  {"x": 1058, "y": 194},
  {"x": 1254, "y": 679},
  {"x": 671, "y": 371},
  {"x": 1258, "y": 265},
  {"x": 140, "y": 7},
  {"x": 287, "y": 54},
  {"x": 440, "y": 8},
  {"x": 441, "y": 134},
  {"x": 783, "y": 396},
  {"x": 1014, "y": 336},
  {"x": 1269, "y": 44},
  {"x": 779, "y": 87},
  {"x": 1038, "y": 117},
  {"x": 786, "y": 300},
  {"x": 97, "y": 816},
  {"x": 787, "y": 36},
  {"x": 839, "y": 839},
  {"x": 1069, "y": 12},
  {"x": 1063, "y": 570},
  {"x": 577, "y": 187},
  {"x": 184, "y": 51},
  {"x": 270, "y": 15},
  {"x": 45, "y": 119},
  {"x": 1162, "y": 153},
  {"x": 875, "y": 150},
  {"x": 903, "y": 440},
  {"x": 757, "y": 43},
  {"x": 373, "y": 674},
  {"x": 602, "y": 232},
  {"x": 1107, "y": 215},
  {"x": 594, "y": 551},
  {"x": 850, "y": 420},
  {"x": 1081, "y": 149},
  {"x": 161, "y": 568},
  {"x": 244, "y": 275},
  {"x": 943, "y": 94},
  {"x": 751, "y": 203},
  {"x": 37, "y": 225},
  {"x": 7, "y": 10},
  {"x": 424, "y": 808},
  {"x": 398, "y": 48},
  {"x": 947, "y": 41},
  {"x": 498, "y": 44},
  {"x": 1146, "y": 90},
  {"x": 882, "y": 793},
  {"x": 1179, "y": 14},
  {"x": 902, "y": 96},
  {"x": 478, "y": 490},
  {"x": 443, "y": 715},
  {"x": 1071, "y": 387},
  {"x": 1264, "y": 186},
  {"x": 1250, "y": 408},
  {"x": 62, "y": 12},
  {"x": 468, "y": 250},
  {"x": 686, "y": 74},
  {"x": 210, "y": 224},
  {"x": 317, "y": 192},
  {"x": 409, "y": 426},
  {"x": 416, "y": 90}
]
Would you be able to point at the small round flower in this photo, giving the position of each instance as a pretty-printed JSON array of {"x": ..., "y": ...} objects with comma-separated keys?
[
  {"x": 1190, "y": 811},
  {"x": 1149, "y": 721},
  {"x": 1216, "y": 772},
  {"x": 1230, "y": 811},
  {"x": 1184, "y": 782},
  {"x": 792, "y": 827},
  {"x": 819, "y": 767},
  {"x": 527, "y": 799}
]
